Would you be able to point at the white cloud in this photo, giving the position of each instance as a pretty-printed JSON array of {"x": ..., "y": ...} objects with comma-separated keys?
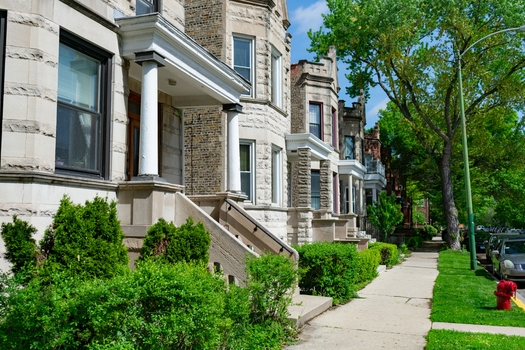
[
  {"x": 305, "y": 18},
  {"x": 380, "y": 105}
]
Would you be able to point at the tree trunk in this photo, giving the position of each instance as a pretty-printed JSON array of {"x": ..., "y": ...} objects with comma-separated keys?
[{"x": 449, "y": 207}]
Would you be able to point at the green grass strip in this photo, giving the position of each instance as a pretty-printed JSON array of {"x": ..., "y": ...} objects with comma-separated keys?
[
  {"x": 453, "y": 340},
  {"x": 465, "y": 296}
]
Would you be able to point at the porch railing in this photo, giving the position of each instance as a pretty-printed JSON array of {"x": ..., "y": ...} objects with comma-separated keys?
[{"x": 258, "y": 227}]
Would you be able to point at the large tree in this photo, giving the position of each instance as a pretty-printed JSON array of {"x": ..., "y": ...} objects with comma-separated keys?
[{"x": 411, "y": 49}]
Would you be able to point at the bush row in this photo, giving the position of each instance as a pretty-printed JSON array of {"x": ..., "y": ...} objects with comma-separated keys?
[
  {"x": 336, "y": 270},
  {"x": 66, "y": 294}
]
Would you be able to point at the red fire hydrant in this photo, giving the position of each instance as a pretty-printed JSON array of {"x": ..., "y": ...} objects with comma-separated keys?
[{"x": 504, "y": 291}]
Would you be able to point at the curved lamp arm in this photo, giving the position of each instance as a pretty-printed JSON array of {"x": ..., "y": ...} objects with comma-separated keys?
[{"x": 516, "y": 29}]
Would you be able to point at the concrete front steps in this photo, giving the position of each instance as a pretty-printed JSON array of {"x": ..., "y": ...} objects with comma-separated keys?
[{"x": 305, "y": 307}]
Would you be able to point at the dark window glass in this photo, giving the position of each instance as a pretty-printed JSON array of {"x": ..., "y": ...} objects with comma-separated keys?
[
  {"x": 82, "y": 108},
  {"x": 316, "y": 189}
]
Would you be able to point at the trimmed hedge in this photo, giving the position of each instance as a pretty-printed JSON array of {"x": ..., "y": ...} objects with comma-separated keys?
[
  {"x": 328, "y": 269},
  {"x": 369, "y": 260},
  {"x": 413, "y": 242},
  {"x": 388, "y": 251}
]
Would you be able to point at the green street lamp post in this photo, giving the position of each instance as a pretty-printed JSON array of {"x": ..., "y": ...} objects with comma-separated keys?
[{"x": 472, "y": 239}]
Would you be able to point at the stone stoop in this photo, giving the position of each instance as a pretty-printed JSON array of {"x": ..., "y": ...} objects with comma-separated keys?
[{"x": 306, "y": 307}]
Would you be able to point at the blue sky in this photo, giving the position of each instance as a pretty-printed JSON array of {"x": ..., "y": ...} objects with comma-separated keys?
[{"x": 306, "y": 14}]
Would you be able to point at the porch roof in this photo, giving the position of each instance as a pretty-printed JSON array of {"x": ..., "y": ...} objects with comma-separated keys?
[
  {"x": 319, "y": 149},
  {"x": 192, "y": 75}
]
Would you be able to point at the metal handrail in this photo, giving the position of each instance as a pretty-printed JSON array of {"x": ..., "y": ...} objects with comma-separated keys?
[{"x": 257, "y": 226}]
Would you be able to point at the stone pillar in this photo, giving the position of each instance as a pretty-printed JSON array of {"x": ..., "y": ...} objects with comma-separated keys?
[
  {"x": 234, "y": 157},
  {"x": 326, "y": 185},
  {"x": 304, "y": 178},
  {"x": 148, "y": 147}
]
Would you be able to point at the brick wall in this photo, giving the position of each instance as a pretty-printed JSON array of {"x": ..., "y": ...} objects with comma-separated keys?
[
  {"x": 205, "y": 23},
  {"x": 204, "y": 150}
]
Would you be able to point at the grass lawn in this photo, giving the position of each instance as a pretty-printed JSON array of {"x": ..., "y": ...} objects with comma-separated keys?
[
  {"x": 452, "y": 340},
  {"x": 465, "y": 296}
]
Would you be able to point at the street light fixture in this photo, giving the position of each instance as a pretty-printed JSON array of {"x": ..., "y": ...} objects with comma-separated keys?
[{"x": 472, "y": 239}]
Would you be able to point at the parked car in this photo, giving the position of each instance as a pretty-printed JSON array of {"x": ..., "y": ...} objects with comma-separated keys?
[
  {"x": 480, "y": 236},
  {"x": 508, "y": 260},
  {"x": 494, "y": 240}
]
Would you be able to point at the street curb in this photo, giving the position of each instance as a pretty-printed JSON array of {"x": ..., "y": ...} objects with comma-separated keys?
[{"x": 518, "y": 302}]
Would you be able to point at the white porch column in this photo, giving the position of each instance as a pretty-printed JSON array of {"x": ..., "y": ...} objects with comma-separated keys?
[
  {"x": 149, "y": 140},
  {"x": 350, "y": 194},
  {"x": 234, "y": 157},
  {"x": 374, "y": 194}
]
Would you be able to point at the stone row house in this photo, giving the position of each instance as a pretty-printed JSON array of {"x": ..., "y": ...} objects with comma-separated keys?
[{"x": 176, "y": 109}]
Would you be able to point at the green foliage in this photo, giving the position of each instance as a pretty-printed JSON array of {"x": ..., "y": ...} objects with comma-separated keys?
[
  {"x": 156, "y": 306},
  {"x": 165, "y": 241},
  {"x": 369, "y": 260},
  {"x": 439, "y": 339},
  {"x": 418, "y": 218},
  {"x": 389, "y": 253},
  {"x": 21, "y": 248},
  {"x": 270, "y": 285},
  {"x": 385, "y": 214},
  {"x": 84, "y": 241},
  {"x": 328, "y": 269},
  {"x": 414, "y": 241},
  {"x": 271, "y": 281}
]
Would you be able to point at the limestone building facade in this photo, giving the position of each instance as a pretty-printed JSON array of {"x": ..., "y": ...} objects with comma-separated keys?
[{"x": 175, "y": 109}]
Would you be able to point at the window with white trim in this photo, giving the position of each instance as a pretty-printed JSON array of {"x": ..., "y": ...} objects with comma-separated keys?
[
  {"x": 349, "y": 147},
  {"x": 247, "y": 152},
  {"x": 243, "y": 58},
  {"x": 275, "y": 78},
  {"x": 315, "y": 120},
  {"x": 82, "y": 134},
  {"x": 276, "y": 175}
]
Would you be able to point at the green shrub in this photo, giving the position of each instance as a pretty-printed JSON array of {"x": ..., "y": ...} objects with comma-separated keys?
[
  {"x": 84, "y": 241},
  {"x": 369, "y": 260},
  {"x": 259, "y": 312},
  {"x": 389, "y": 253},
  {"x": 21, "y": 248},
  {"x": 158, "y": 306},
  {"x": 173, "y": 244},
  {"x": 414, "y": 242},
  {"x": 328, "y": 269}
]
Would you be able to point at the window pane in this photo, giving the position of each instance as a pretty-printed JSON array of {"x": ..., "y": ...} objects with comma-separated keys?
[
  {"x": 145, "y": 6},
  {"x": 349, "y": 147},
  {"x": 315, "y": 192},
  {"x": 315, "y": 120},
  {"x": 78, "y": 79},
  {"x": 245, "y": 157},
  {"x": 78, "y": 139},
  {"x": 246, "y": 170},
  {"x": 241, "y": 50}
]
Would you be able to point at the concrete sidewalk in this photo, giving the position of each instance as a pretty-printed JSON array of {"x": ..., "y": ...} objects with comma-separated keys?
[{"x": 393, "y": 311}]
